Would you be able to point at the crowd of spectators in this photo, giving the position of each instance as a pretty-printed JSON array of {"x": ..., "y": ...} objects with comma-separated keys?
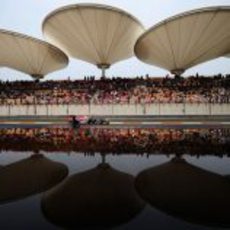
[
  {"x": 144, "y": 90},
  {"x": 118, "y": 141}
]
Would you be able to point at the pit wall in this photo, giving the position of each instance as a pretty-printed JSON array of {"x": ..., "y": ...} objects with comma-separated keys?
[{"x": 126, "y": 109}]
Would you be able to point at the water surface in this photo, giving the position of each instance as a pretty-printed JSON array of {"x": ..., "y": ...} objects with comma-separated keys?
[{"x": 124, "y": 178}]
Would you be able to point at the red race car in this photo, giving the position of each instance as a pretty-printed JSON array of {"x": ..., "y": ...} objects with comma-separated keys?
[{"x": 87, "y": 120}]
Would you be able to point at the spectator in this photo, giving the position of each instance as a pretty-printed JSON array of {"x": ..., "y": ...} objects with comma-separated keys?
[{"x": 118, "y": 90}]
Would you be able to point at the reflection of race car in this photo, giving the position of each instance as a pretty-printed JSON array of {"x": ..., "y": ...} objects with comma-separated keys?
[{"x": 88, "y": 120}]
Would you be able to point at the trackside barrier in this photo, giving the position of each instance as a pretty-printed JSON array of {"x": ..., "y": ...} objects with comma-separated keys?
[{"x": 115, "y": 109}]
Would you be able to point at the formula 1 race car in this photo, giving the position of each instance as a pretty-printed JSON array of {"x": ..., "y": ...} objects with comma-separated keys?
[{"x": 77, "y": 121}]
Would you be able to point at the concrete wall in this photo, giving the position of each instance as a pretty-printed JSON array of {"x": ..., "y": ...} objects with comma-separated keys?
[{"x": 127, "y": 109}]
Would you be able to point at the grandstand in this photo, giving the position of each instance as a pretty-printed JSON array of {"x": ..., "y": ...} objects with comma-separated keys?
[
  {"x": 195, "y": 95},
  {"x": 110, "y": 118},
  {"x": 103, "y": 35},
  {"x": 195, "y": 89}
]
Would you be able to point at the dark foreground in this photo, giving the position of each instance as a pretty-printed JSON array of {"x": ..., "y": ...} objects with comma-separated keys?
[{"x": 119, "y": 177}]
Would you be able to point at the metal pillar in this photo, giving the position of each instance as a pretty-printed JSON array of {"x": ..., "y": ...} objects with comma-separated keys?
[{"x": 103, "y": 68}]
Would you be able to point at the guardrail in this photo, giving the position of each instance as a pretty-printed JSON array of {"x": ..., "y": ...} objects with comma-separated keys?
[{"x": 116, "y": 109}]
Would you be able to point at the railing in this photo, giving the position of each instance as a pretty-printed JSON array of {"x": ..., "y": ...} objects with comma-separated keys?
[{"x": 116, "y": 109}]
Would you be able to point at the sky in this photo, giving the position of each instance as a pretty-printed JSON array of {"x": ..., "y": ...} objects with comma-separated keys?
[{"x": 26, "y": 16}]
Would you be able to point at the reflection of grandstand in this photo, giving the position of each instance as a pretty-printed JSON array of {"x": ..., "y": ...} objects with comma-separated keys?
[{"x": 140, "y": 141}]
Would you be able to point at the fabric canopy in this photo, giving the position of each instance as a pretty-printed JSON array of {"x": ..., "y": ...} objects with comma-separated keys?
[
  {"x": 30, "y": 55},
  {"x": 98, "y": 34},
  {"x": 186, "y": 40}
]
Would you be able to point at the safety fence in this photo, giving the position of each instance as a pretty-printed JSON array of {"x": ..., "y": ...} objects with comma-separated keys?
[{"x": 115, "y": 109}]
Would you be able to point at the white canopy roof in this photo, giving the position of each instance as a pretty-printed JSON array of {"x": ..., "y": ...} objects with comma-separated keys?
[
  {"x": 98, "y": 34},
  {"x": 187, "y": 39},
  {"x": 29, "y": 55}
]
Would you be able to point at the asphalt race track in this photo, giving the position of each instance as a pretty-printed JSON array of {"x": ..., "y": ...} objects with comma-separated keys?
[{"x": 122, "y": 121}]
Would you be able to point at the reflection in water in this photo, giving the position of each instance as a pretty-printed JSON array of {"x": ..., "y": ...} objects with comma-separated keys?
[
  {"x": 100, "y": 197},
  {"x": 139, "y": 141},
  {"x": 105, "y": 197},
  {"x": 186, "y": 191},
  {"x": 29, "y": 176}
]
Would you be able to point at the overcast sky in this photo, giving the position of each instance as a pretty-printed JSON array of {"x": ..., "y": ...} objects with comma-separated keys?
[{"x": 26, "y": 16}]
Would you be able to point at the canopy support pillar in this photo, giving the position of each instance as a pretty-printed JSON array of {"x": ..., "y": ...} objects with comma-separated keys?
[
  {"x": 37, "y": 76},
  {"x": 177, "y": 72},
  {"x": 103, "y": 68}
]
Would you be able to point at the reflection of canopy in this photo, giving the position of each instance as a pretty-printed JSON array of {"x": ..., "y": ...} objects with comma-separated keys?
[
  {"x": 98, "y": 34},
  {"x": 186, "y": 40},
  {"x": 228, "y": 177},
  {"x": 99, "y": 197},
  {"x": 30, "y": 55},
  {"x": 186, "y": 191},
  {"x": 29, "y": 176}
]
